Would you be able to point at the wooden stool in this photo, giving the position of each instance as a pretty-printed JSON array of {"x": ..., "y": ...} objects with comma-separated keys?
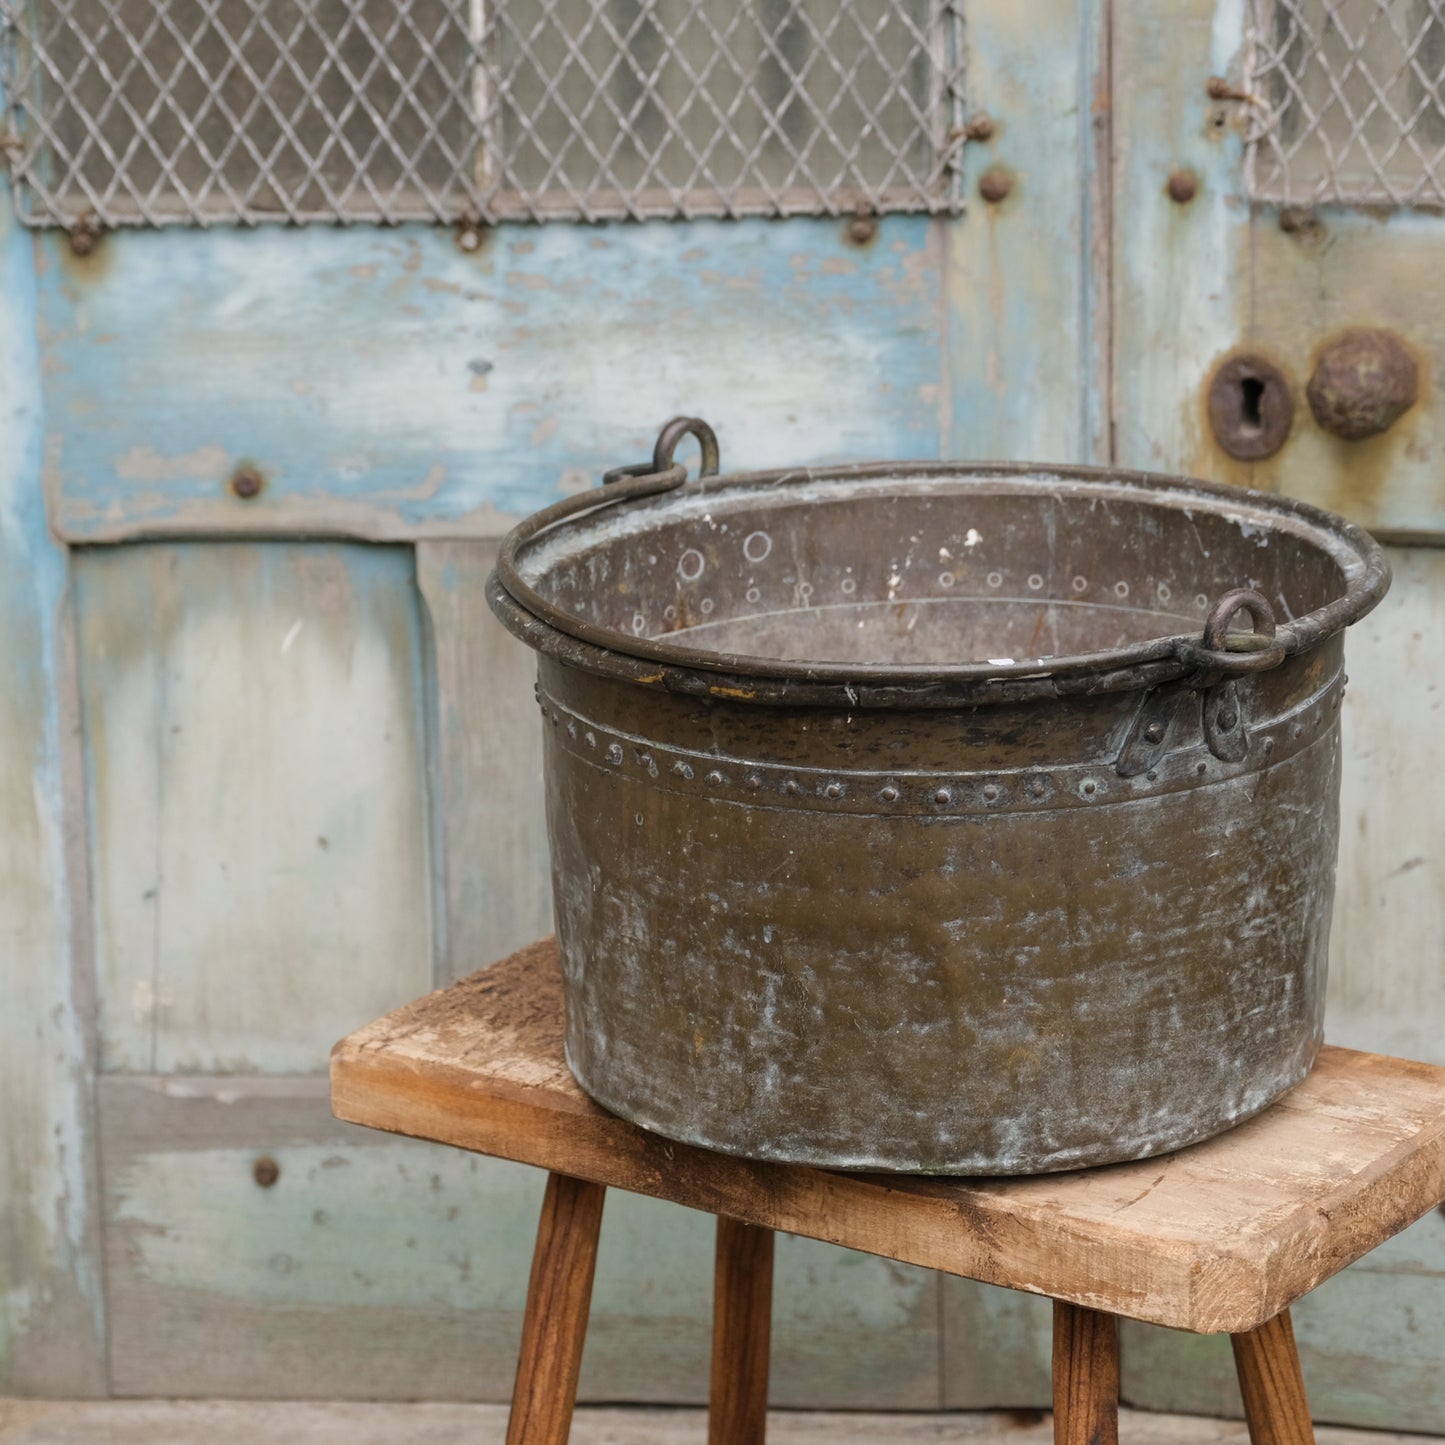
[{"x": 1220, "y": 1237}]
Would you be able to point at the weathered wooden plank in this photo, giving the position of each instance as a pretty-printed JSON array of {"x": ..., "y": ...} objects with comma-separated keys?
[
  {"x": 384, "y": 1268},
  {"x": 496, "y": 878},
  {"x": 1387, "y": 988},
  {"x": 253, "y": 721},
  {"x": 1307, "y": 284},
  {"x": 51, "y": 1307},
  {"x": 1180, "y": 270},
  {"x": 385, "y": 384},
  {"x": 1024, "y": 345}
]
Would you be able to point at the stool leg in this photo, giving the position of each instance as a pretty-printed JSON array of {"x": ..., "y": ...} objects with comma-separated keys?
[
  {"x": 742, "y": 1317},
  {"x": 1270, "y": 1381},
  {"x": 555, "y": 1325},
  {"x": 1086, "y": 1376}
]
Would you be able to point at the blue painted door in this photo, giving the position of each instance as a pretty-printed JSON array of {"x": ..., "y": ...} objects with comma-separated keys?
[{"x": 270, "y": 767}]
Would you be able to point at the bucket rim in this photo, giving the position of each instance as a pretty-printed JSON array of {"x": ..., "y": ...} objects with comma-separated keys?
[{"x": 677, "y": 667}]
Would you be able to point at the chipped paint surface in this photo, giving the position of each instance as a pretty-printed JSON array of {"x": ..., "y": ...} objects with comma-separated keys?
[
  {"x": 51, "y": 1309},
  {"x": 253, "y": 726},
  {"x": 343, "y": 364},
  {"x": 411, "y": 1259}
]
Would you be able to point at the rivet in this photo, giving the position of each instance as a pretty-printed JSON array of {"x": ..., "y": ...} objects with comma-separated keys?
[
  {"x": 1182, "y": 187},
  {"x": 833, "y": 790},
  {"x": 889, "y": 794},
  {"x": 1152, "y": 776},
  {"x": 1202, "y": 769},
  {"x": 862, "y": 229},
  {"x": 246, "y": 482},
  {"x": 85, "y": 235},
  {"x": 1088, "y": 787},
  {"x": 682, "y": 770},
  {"x": 1227, "y": 720},
  {"x": 590, "y": 738},
  {"x": 469, "y": 233},
  {"x": 755, "y": 781},
  {"x": 980, "y": 127},
  {"x": 990, "y": 792},
  {"x": 994, "y": 185},
  {"x": 1154, "y": 733},
  {"x": 1037, "y": 788},
  {"x": 942, "y": 796},
  {"x": 791, "y": 788},
  {"x": 716, "y": 779},
  {"x": 265, "y": 1171},
  {"x": 614, "y": 754}
]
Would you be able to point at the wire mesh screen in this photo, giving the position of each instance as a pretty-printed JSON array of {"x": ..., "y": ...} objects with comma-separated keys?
[
  {"x": 152, "y": 112},
  {"x": 1349, "y": 99}
]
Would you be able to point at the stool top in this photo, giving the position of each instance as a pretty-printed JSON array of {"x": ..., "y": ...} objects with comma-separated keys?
[{"x": 1219, "y": 1236}]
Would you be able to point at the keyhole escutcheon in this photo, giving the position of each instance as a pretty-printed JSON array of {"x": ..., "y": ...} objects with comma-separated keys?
[{"x": 1251, "y": 407}]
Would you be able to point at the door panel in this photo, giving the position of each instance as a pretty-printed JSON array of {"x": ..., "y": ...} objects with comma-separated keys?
[{"x": 254, "y": 726}]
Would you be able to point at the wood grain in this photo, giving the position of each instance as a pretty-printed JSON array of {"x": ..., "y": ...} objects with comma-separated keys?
[
  {"x": 1271, "y": 1384},
  {"x": 1218, "y": 1237},
  {"x": 389, "y": 387},
  {"x": 1086, "y": 1376},
  {"x": 496, "y": 880},
  {"x": 741, "y": 1334},
  {"x": 254, "y": 733},
  {"x": 52, "y": 1313},
  {"x": 559, "y": 1296}
]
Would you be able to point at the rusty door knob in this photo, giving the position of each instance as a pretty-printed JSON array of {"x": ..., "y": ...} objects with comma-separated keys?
[
  {"x": 1363, "y": 382},
  {"x": 1251, "y": 409}
]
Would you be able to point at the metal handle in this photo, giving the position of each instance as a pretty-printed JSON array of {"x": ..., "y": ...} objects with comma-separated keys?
[
  {"x": 1232, "y": 654},
  {"x": 667, "y": 439}
]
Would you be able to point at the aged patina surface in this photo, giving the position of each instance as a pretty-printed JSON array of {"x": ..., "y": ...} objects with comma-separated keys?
[{"x": 932, "y": 818}]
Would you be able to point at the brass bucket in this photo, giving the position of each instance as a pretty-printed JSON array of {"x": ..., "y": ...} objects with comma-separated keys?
[{"x": 935, "y": 817}]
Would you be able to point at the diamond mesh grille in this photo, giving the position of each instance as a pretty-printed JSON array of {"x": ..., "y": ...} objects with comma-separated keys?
[
  {"x": 1349, "y": 101},
  {"x": 153, "y": 112}
]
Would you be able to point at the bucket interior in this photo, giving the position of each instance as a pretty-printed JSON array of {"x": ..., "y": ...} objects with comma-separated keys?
[{"x": 929, "y": 569}]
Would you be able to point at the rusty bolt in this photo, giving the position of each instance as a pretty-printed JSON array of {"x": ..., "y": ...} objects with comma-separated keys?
[
  {"x": 247, "y": 482},
  {"x": 995, "y": 184},
  {"x": 1363, "y": 382},
  {"x": 979, "y": 127},
  {"x": 265, "y": 1171},
  {"x": 1182, "y": 187},
  {"x": 1251, "y": 410},
  {"x": 862, "y": 229},
  {"x": 84, "y": 235}
]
